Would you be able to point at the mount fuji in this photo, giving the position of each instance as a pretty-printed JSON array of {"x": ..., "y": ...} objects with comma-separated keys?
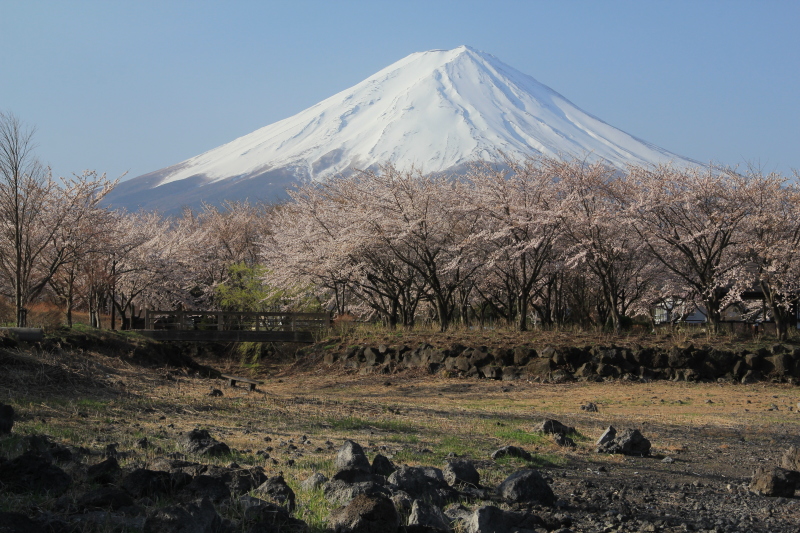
[{"x": 437, "y": 110}]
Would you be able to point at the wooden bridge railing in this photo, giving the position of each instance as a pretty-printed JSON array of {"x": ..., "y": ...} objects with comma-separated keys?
[{"x": 234, "y": 321}]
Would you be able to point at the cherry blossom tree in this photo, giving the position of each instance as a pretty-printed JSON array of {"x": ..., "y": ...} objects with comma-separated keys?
[
  {"x": 519, "y": 228},
  {"x": 600, "y": 239},
  {"x": 691, "y": 220},
  {"x": 770, "y": 250}
]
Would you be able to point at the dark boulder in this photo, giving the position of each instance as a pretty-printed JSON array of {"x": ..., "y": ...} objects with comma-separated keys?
[
  {"x": 142, "y": 482},
  {"x": 562, "y": 440},
  {"x": 314, "y": 481},
  {"x": 427, "y": 518},
  {"x": 31, "y": 472},
  {"x": 340, "y": 493},
  {"x": 480, "y": 357},
  {"x": 550, "y": 426},
  {"x": 539, "y": 367},
  {"x": 491, "y": 519},
  {"x": 366, "y": 514},
  {"x": 200, "y": 441},
  {"x": 522, "y": 355},
  {"x": 352, "y": 474},
  {"x": 104, "y": 472},
  {"x": 774, "y": 481},
  {"x": 382, "y": 466},
  {"x": 629, "y": 442},
  {"x": 461, "y": 472},
  {"x": 780, "y": 365},
  {"x": 351, "y": 454},
  {"x": 491, "y": 372},
  {"x": 276, "y": 489},
  {"x": 680, "y": 356},
  {"x": 503, "y": 357},
  {"x": 511, "y": 451},
  {"x": 511, "y": 373},
  {"x": 423, "y": 483},
  {"x": 791, "y": 458},
  {"x": 203, "y": 486},
  {"x": 526, "y": 486},
  {"x": 42, "y": 445}
]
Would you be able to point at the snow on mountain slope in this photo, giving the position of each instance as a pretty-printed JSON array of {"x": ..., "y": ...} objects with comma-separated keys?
[{"x": 435, "y": 110}]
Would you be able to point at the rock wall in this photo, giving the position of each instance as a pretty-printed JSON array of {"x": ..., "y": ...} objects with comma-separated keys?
[{"x": 596, "y": 363}]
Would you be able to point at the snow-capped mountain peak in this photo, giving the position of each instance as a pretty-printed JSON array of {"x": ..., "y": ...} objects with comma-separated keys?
[{"x": 436, "y": 110}]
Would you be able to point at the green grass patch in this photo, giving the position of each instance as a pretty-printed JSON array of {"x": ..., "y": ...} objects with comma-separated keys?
[
  {"x": 403, "y": 438},
  {"x": 518, "y": 436},
  {"x": 88, "y": 403},
  {"x": 312, "y": 508},
  {"x": 459, "y": 446}
]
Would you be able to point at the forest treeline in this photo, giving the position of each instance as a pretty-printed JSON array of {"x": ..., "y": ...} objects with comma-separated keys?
[{"x": 539, "y": 240}]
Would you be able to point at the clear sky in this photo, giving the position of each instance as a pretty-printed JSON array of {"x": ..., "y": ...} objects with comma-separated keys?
[{"x": 134, "y": 86}]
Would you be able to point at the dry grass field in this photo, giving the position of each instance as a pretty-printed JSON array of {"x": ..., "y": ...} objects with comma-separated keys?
[{"x": 295, "y": 421}]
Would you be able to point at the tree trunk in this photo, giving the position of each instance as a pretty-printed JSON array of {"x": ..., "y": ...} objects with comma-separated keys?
[
  {"x": 443, "y": 312},
  {"x": 522, "y": 308}
]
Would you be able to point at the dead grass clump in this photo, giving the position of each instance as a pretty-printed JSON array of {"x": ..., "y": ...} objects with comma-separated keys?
[{"x": 46, "y": 316}]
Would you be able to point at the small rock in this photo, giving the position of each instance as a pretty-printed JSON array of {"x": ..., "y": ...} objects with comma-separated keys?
[
  {"x": 276, "y": 490},
  {"x": 550, "y": 426},
  {"x": 791, "y": 458},
  {"x": 461, "y": 472},
  {"x": 104, "y": 472},
  {"x": 774, "y": 481},
  {"x": 200, "y": 441},
  {"x": 314, "y": 481},
  {"x": 351, "y": 454},
  {"x": 562, "y": 440},
  {"x": 629, "y": 442},
  {"x": 511, "y": 451},
  {"x": 382, "y": 466}
]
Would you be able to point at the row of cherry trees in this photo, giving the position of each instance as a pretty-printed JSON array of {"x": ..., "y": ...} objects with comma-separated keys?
[
  {"x": 543, "y": 239},
  {"x": 561, "y": 241}
]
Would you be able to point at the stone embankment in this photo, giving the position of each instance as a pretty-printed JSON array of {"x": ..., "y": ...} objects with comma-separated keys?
[{"x": 560, "y": 364}]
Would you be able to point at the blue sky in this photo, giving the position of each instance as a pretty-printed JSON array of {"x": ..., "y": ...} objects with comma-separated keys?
[{"x": 134, "y": 86}]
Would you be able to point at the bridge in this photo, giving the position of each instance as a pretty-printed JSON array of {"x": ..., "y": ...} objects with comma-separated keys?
[{"x": 228, "y": 326}]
